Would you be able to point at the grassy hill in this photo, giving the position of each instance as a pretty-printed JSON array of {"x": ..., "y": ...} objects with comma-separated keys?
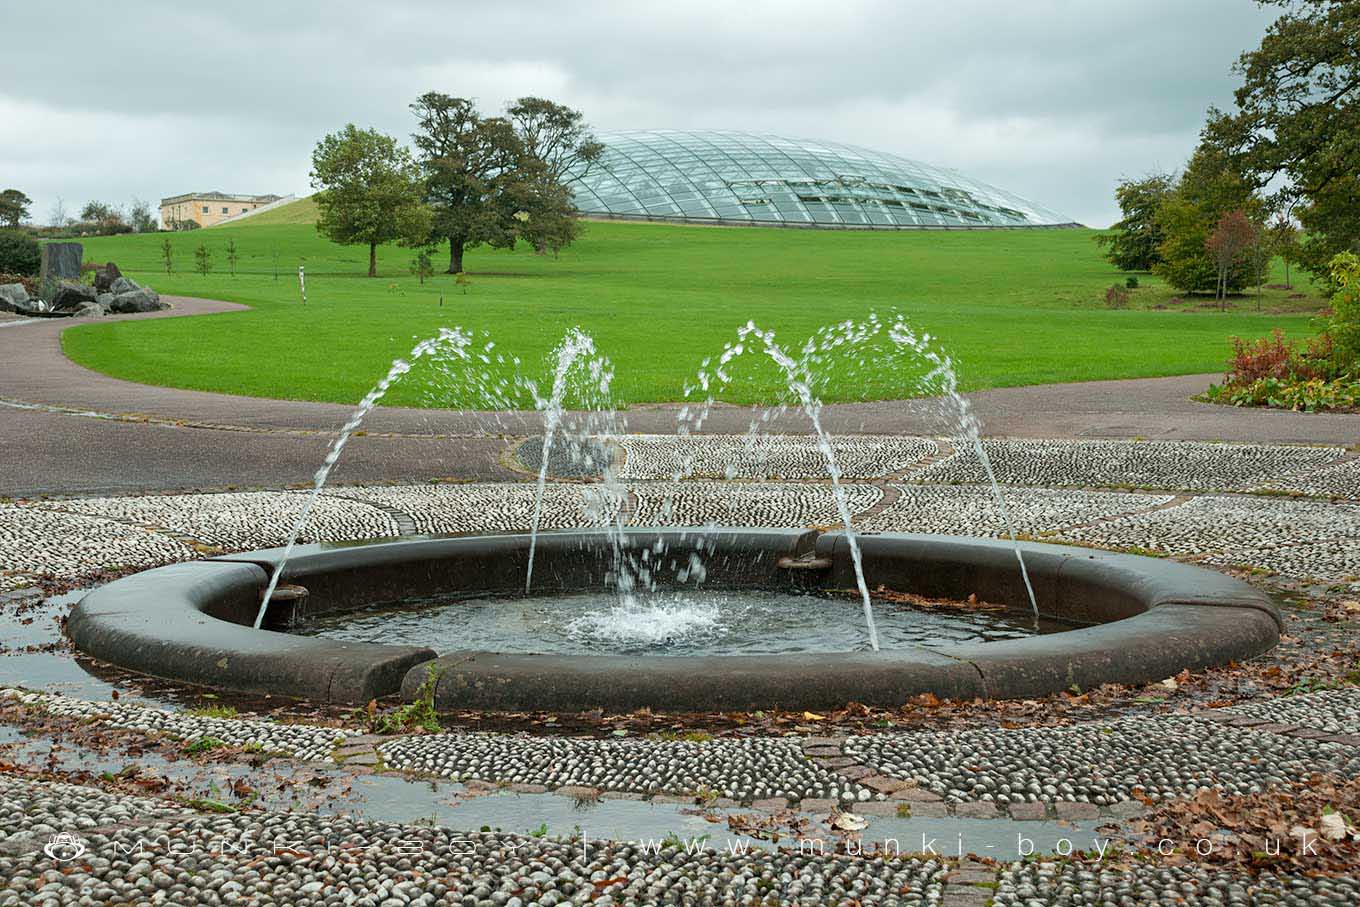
[
  {"x": 1012, "y": 307},
  {"x": 302, "y": 211}
]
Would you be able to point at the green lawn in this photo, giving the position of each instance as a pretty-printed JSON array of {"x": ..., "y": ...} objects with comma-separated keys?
[{"x": 1012, "y": 307}]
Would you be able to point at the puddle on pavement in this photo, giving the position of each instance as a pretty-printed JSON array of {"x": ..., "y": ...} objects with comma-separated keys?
[{"x": 280, "y": 785}]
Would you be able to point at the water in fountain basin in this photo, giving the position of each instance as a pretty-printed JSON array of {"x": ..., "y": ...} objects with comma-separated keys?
[
  {"x": 450, "y": 339},
  {"x": 668, "y": 621},
  {"x": 798, "y": 377},
  {"x": 944, "y": 377}
]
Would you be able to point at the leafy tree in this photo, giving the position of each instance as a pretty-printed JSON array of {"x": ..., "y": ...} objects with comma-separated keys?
[
  {"x": 1133, "y": 246},
  {"x": 556, "y": 136},
  {"x": 559, "y": 149},
  {"x": 140, "y": 217},
  {"x": 1207, "y": 190},
  {"x": 1228, "y": 244},
  {"x": 1284, "y": 242},
  {"x": 168, "y": 255},
  {"x": 421, "y": 266},
  {"x": 370, "y": 192},
  {"x": 14, "y": 207},
  {"x": 1296, "y": 122},
  {"x": 1344, "y": 326},
  {"x": 544, "y": 210},
  {"x": 203, "y": 259},
  {"x": 469, "y": 161},
  {"x": 232, "y": 256},
  {"x": 105, "y": 217},
  {"x": 498, "y": 180}
]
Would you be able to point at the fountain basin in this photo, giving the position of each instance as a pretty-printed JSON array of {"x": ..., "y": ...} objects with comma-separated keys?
[{"x": 1148, "y": 620}]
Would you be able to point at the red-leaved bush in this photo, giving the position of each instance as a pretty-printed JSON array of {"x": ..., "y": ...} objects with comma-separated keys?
[{"x": 1275, "y": 357}]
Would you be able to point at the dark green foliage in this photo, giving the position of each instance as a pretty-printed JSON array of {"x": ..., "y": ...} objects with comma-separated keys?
[
  {"x": 233, "y": 256},
  {"x": 1131, "y": 282},
  {"x": 168, "y": 255},
  {"x": 1133, "y": 246},
  {"x": 421, "y": 265},
  {"x": 469, "y": 164},
  {"x": 19, "y": 253},
  {"x": 13, "y": 207},
  {"x": 1296, "y": 123},
  {"x": 1207, "y": 191},
  {"x": 370, "y": 191},
  {"x": 1344, "y": 326},
  {"x": 496, "y": 180},
  {"x": 203, "y": 259}
]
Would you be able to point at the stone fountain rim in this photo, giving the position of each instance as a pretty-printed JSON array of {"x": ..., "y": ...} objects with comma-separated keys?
[{"x": 185, "y": 622}]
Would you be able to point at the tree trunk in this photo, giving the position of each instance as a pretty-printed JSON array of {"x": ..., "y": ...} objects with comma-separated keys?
[
  {"x": 455, "y": 255},
  {"x": 372, "y": 259}
]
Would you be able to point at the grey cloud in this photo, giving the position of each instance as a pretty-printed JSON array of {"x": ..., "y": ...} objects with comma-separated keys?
[{"x": 1048, "y": 98}]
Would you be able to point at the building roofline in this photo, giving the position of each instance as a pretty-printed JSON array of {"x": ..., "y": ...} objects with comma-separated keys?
[{"x": 220, "y": 197}]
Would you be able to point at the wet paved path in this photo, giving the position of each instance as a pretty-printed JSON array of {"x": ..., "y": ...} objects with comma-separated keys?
[{"x": 71, "y": 430}]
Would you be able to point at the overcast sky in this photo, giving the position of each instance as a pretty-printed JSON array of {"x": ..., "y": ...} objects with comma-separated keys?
[{"x": 1052, "y": 100}]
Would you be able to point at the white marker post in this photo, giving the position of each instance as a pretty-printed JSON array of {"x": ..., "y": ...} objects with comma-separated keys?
[{"x": 302, "y": 285}]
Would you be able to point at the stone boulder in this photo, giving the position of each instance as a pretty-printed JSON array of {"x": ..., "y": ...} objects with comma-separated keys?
[
  {"x": 105, "y": 275},
  {"x": 88, "y": 310},
  {"x": 105, "y": 301},
  {"x": 121, "y": 284},
  {"x": 138, "y": 300},
  {"x": 69, "y": 295},
  {"x": 13, "y": 298}
]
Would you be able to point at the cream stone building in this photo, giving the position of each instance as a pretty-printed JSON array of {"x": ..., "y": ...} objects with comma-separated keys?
[{"x": 208, "y": 208}]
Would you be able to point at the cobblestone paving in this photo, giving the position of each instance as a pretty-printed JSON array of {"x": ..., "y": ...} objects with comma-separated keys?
[
  {"x": 1293, "y": 537},
  {"x": 1044, "y": 884},
  {"x": 1187, "y": 465},
  {"x": 34, "y": 540},
  {"x": 746, "y": 769},
  {"x": 35, "y": 810},
  {"x": 240, "y": 519},
  {"x": 505, "y": 506},
  {"x": 769, "y": 456},
  {"x": 701, "y": 503},
  {"x": 1163, "y": 756},
  {"x": 298, "y": 740},
  {"x": 1303, "y": 537},
  {"x": 1334, "y": 711},
  {"x": 570, "y": 457},
  {"x": 972, "y": 509},
  {"x": 11, "y": 581},
  {"x": 296, "y": 858},
  {"x": 1339, "y": 480}
]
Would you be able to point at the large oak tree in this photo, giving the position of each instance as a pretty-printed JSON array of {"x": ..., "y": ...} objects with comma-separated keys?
[
  {"x": 498, "y": 180},
  {"x": 1295, "y": 129}
]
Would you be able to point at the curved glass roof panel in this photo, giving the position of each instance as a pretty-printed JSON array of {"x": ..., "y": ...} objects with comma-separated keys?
[{"x": 749, "y": 178}]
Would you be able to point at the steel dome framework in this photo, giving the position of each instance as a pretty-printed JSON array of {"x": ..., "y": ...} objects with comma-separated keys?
[{"x": 748, "y": 178}]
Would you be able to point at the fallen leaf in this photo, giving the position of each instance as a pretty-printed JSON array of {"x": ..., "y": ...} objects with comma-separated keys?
[{"x": 849, "y": 822}]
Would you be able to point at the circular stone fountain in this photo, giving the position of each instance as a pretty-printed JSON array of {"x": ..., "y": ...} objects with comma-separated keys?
[{"x": 1135, "y": 619}]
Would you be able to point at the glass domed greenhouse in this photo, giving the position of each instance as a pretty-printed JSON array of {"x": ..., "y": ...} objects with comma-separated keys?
[{"x": 748, "y": 178}]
